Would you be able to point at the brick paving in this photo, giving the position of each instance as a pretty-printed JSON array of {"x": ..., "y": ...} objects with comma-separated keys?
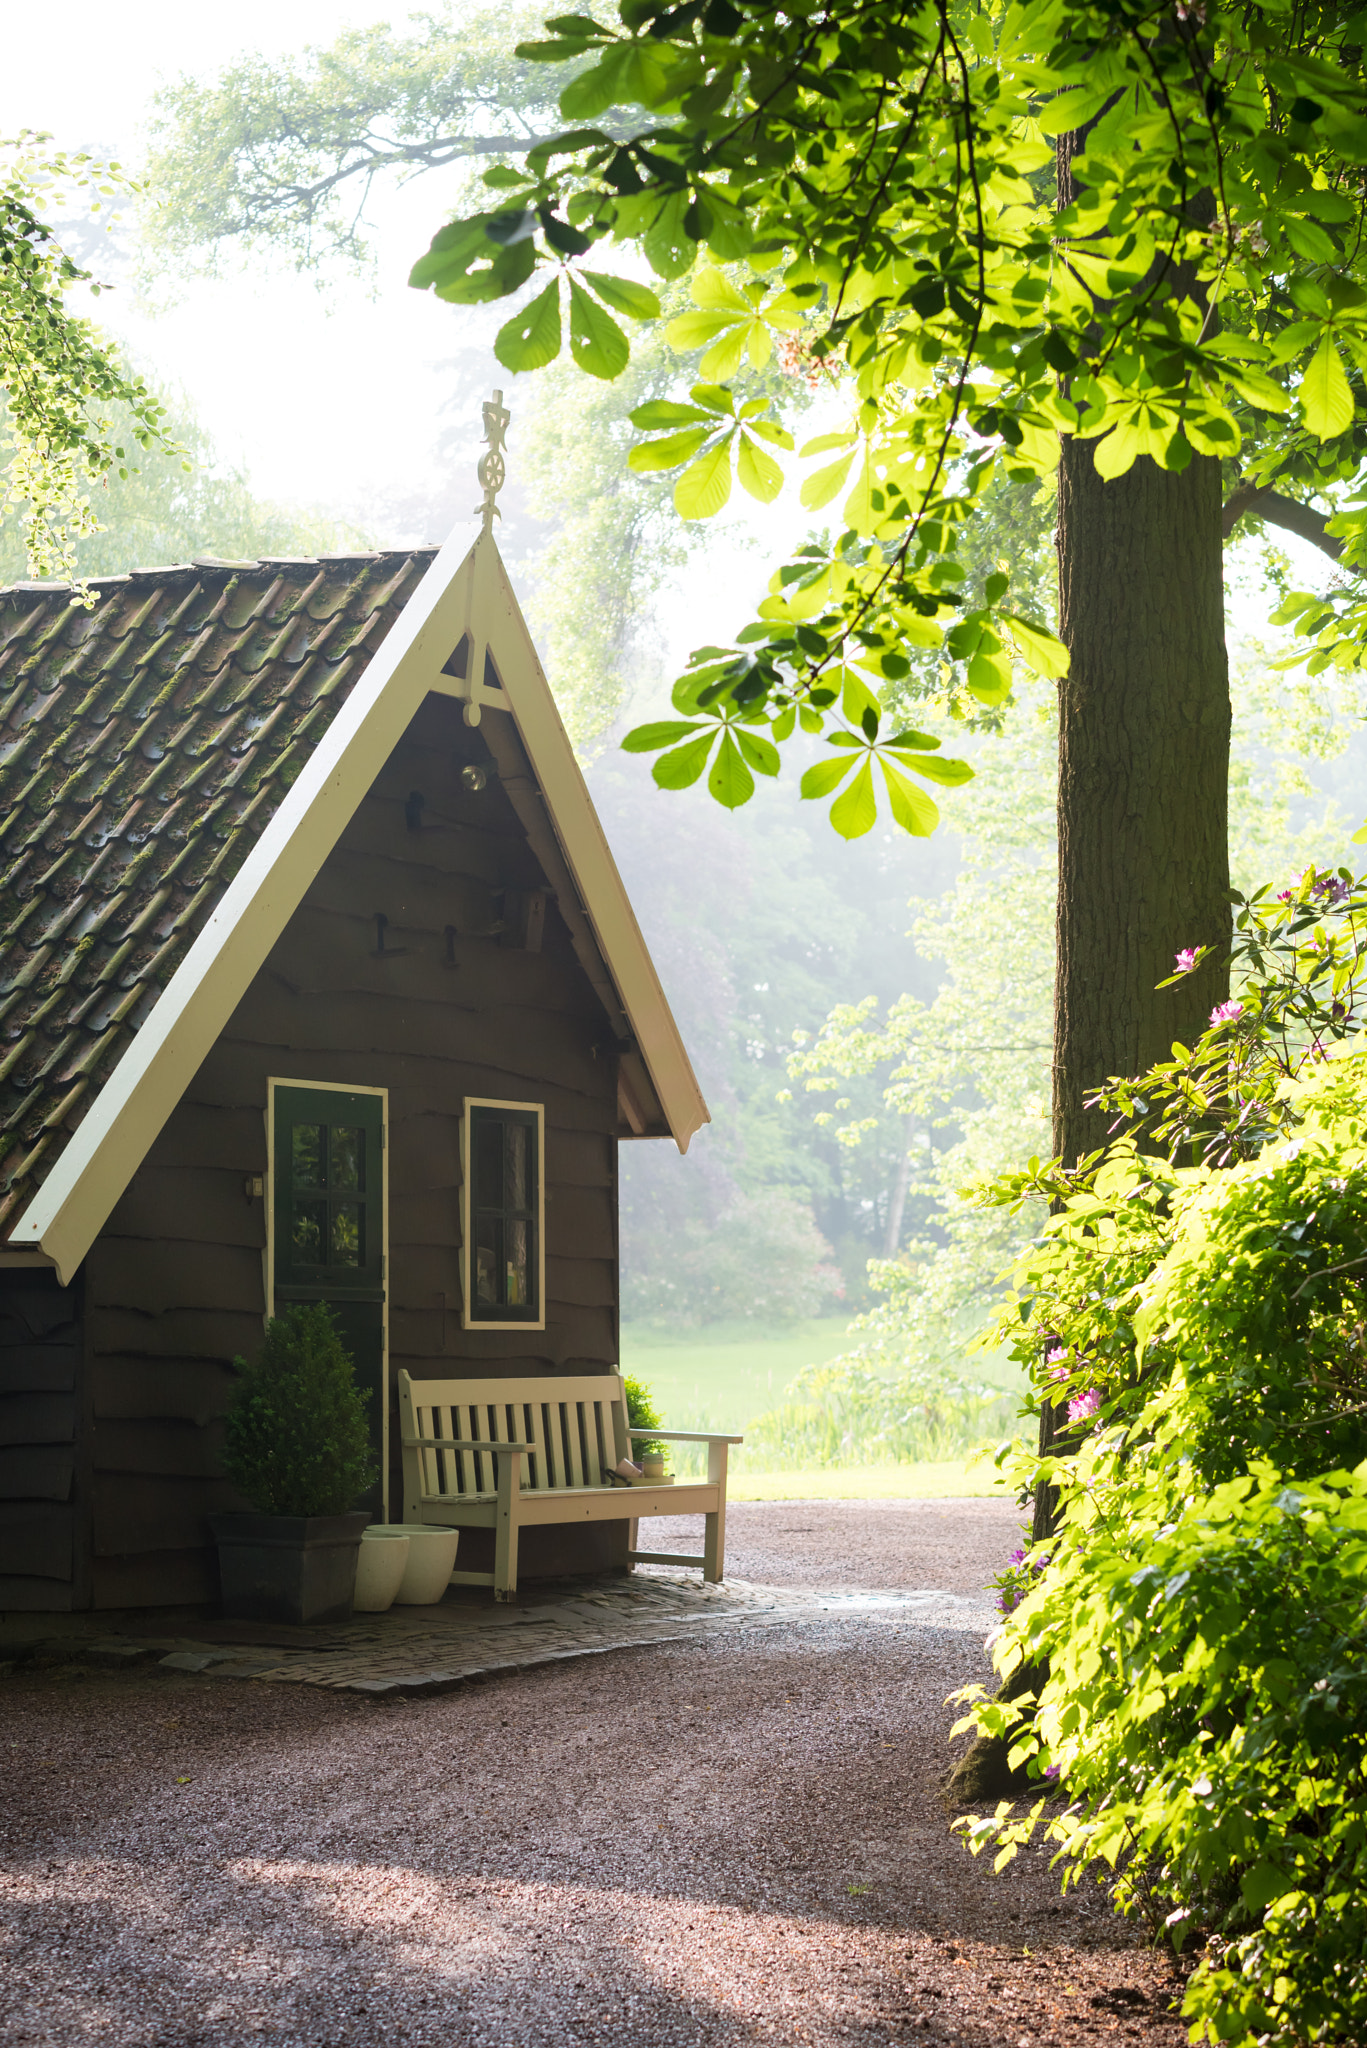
[{"x": 414, "y": 1651}]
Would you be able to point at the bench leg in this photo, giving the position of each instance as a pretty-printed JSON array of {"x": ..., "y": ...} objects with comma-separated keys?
[
  {"x": 714, "y": 1526},
  {"x": 505, "y": 1530}
]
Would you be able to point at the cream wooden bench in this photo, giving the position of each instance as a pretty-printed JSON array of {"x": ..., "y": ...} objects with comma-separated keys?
[{"x": 509, "y": 1455}]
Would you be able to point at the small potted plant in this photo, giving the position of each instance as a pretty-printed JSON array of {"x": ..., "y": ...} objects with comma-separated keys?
[
  {"x": 298, "y": 1449},
  {"x": 643, "y": 1414}
]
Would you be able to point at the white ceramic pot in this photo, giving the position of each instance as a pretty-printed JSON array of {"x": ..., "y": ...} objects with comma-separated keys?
[
  {"x": 380, "y": 1566},
  {"x": 431, "y": 1560}
]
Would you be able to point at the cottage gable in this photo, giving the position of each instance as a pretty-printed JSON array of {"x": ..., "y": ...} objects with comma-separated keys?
[{"x": 180, "y": 763}]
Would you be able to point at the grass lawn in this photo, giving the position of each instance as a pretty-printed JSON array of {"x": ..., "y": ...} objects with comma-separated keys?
[
  {"x": 719, "y": 1377},
  {"x": 960, "y": 1480}
]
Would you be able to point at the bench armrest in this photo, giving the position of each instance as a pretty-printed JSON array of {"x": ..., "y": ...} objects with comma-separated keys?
[
  {"x": 687, "y": 1436},
  {"x": 459, "y": 1443}
]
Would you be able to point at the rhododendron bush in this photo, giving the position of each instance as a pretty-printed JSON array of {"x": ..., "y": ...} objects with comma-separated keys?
[{"x": 1198, "y": 1615}]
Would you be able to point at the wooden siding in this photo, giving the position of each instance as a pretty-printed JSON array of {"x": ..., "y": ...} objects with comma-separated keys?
[
  {"x": 40, "y": 1394},
  {"x": 435, "y": 1004}
]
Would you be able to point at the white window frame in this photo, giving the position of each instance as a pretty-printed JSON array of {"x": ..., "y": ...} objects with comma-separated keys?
[{"x": 473, "y": 1322}]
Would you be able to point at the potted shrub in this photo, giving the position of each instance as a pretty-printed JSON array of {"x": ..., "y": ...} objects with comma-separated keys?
[{"x": 298, "y": 1448}]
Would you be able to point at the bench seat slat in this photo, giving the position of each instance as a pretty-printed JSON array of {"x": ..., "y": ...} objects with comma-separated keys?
[{"x": 574, "y": 1504}]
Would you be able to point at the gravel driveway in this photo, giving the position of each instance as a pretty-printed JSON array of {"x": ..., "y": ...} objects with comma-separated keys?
[{"x": 730, "y": 1839}]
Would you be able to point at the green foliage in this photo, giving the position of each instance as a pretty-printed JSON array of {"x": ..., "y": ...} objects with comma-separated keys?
[
  {"x": 56, "y": 370},
  {"x": 764, "y": 1262},
  {"x": 871, "y": 191},
  {"x": 641, "y": 1414},
  {"x": 1200, "y": 1337},
  {"x": 297, "y": 1442},
  {"x": 284, "y": 155},
  {"x": 870, "y": 1409},
  {"x": 178, "y": 503},
  {"x": 1300, "y": 958},
  {"x": 604, "y": 553},
  {"x": 966, "y": 1073}
]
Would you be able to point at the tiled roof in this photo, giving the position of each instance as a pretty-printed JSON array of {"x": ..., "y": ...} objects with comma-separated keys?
[{"x": 144, "y": 745}]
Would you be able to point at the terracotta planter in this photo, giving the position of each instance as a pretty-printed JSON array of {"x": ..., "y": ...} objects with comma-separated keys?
[{"x": 296, "y": 1568}]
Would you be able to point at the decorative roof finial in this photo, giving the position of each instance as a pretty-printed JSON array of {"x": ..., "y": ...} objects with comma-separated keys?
[{"x": 493, "y": 470}]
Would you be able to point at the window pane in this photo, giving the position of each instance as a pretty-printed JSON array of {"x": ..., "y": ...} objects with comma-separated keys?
[
  {"x": 489, "y": 1162},
  {"x": 517, "y": 1181},
  {"x": 519, "y": 1276},
  {"x": 348, "y": 1157},
  {"x": 309, "y": 1235},
  {"x": 487, "y": 1241},
  {"x": 346, "y": 1234},
  {"x": 309, "y": 1159}
]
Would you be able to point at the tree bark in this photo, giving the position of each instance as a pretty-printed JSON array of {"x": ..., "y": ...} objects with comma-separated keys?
[{"x": 1143, "y": 791}]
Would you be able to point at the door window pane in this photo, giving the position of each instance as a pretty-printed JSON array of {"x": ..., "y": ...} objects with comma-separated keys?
[
  {"x": 346, "y": 1234},
  {"x": 309, "y": 1235},
  {"x": 347, "y": 1147},
  {"x": 309, "y": 1155}
]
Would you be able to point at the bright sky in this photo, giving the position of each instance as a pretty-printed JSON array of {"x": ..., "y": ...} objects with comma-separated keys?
[
  {"x": 329, "y": 398},
  {"x": 334, "y": 397}
]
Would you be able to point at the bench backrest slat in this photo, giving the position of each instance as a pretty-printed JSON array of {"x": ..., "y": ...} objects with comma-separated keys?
[{"x": 576, "y": 1428}]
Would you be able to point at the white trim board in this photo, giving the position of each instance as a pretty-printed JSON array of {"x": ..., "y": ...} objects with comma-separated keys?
[{"x": 458, "y": 594}]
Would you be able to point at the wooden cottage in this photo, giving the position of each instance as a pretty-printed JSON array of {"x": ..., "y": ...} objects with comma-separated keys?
[{"x": 303, "y": 900}]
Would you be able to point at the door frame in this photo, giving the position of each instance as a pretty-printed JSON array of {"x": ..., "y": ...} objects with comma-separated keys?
[{"x": 273, "y": 1082}]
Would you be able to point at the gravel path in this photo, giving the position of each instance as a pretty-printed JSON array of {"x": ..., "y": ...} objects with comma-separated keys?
[
  {"x": 951, "y": 1545},
  {"x": 731, "y": 1839}
]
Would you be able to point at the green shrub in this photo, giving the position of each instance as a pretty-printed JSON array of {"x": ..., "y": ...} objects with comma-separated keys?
[
  {"x": 871, "y": 1409},
  {"x": 297, "y": 1438},
  {"x": 641, "y": 1414},
  {"x": 1198, "y": 1336}
]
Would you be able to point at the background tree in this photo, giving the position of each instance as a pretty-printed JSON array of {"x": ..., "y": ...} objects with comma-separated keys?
[
  {"x": 886, "y": 173},
  {"x": 180, "y": 502},
  {"x": 285, "y": 157},
  {"x": 61, "y": 381}
]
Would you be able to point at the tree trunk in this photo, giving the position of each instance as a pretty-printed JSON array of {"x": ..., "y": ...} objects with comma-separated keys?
[
  {"x": 1143, "y": 805},
  {"x": 1143, "y": 788},
  {"x": 897, "y": 1199}
]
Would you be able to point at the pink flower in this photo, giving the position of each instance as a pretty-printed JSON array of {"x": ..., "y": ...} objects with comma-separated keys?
[
  {"x": 1225, "y": 1013},
  {"x": 1085, "y": 1407},
  {"x": 1057, "y": 1356},
  {"x": 1186, "y": 960}
]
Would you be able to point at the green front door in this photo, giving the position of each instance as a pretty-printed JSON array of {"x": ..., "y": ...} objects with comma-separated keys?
[{"x": 329, "y": 1226}]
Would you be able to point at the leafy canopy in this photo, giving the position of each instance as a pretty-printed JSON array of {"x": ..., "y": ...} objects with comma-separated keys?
[
  {"x": 870, "y": 193},
  {"x": 56, "y": 370}
]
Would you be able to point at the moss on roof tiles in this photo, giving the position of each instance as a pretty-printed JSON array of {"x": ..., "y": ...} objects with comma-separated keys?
[{"x": 144, "y": 746}]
